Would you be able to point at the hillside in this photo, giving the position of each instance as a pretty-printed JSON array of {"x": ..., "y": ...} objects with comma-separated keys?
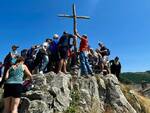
[{"x": 136, "y": 77}]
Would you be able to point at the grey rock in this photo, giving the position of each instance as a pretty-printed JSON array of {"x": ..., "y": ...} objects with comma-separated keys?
[
  {"x": 60, "y": 91},
  {"x": 52, "y": 93},
  {"x": 38, "y": 106},
  {"x": 115, "y": 96}
]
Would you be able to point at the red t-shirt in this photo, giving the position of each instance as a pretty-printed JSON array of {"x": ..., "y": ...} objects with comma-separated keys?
[{"x": 83, "y": 44}]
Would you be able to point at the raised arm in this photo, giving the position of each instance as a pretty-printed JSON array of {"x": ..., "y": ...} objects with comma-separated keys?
[
  {"x": 7, "y": 74},
  {"x": 79, "y": 36},
  {"x": 27, "y": 72}
]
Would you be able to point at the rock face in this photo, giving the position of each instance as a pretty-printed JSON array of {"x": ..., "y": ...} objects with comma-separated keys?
[
  {"x": 59, "y": 93},
  {"x": 115, "y": 97}
]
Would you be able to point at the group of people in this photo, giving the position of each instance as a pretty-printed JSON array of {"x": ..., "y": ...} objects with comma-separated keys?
[{"x": 55, "y": 54}]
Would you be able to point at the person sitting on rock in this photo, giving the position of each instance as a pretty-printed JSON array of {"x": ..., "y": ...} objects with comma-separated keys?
[
  {"x": 13, "y": 85},
  {"x": 115, "y": 66},
  {"x": 100, "y": 62},
  {"x": 94, "y": 60},
  {"x": 84, "y": 63},
  {"x": 105, "y": 52}
]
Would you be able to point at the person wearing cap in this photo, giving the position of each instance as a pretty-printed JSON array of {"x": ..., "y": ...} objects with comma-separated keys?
[
  {"x": 56, "y": 38},
  {"x": 115, "y": 67},
  {"x": 14, "y": 54},
  {"x": 84, "y": 63}
]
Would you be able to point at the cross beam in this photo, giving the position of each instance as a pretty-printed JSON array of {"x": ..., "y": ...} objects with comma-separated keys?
[{"x": 74, "y": 17}]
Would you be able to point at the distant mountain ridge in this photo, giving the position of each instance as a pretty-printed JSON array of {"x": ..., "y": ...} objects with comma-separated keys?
[{"x": 136, "y": 77}]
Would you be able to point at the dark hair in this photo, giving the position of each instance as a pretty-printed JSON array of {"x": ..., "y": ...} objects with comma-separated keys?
[
  {"x": 48, "y": 39},
  {"x": 116, "y": 58},
  {"x": 20, "y": 59},
  {"x": 65, "y": 32},
  {"x": 85, "y": 36}
]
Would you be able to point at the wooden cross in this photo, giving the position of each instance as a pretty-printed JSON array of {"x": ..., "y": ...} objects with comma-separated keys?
[{"x": 74, "y": 17}]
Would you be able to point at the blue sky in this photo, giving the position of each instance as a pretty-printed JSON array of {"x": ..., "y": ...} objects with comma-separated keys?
[{"x": 123, "y": 25}]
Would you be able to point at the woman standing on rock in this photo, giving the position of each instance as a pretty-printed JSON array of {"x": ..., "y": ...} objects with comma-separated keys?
[{"x": 13, "y": 85}]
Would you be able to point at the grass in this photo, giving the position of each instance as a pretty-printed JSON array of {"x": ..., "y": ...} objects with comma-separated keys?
[
  {"x": 139, "y": 102},
  {"x": 74, "y": 105}
]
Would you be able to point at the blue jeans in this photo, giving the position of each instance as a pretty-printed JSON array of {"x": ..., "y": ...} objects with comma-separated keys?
[
  {"x": 45, "y": 61},
  {"x": 84, "y": 64}
]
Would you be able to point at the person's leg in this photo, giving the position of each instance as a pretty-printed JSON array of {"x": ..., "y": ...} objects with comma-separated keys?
[
  {"x": 65, "y": 66},
  {"x": 117, "y": 75},
  {"x": 89, "y": 68},
  {"x": 44, "y": 63},
  {"x": 14, "y": 105},
  {"x": 7, "y": 105},
  {"x": 60, "y": 65},
  {"x": 82, "y": 64},
  {"x": 65, "y": 57}
]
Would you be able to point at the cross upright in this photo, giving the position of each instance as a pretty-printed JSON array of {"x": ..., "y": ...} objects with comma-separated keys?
[{"x": 74, "y": 17}]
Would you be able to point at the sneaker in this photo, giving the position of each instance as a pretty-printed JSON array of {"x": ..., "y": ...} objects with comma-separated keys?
[{"x": 41, "y": 72}]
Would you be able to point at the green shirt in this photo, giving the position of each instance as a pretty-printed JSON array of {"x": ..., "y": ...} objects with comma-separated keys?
[{"x": 15, "y": 75}]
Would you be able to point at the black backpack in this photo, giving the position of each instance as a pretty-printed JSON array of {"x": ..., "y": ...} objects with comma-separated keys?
[
  {"x": 108, "y": 52},
  {"x": 7, "y": 59}
]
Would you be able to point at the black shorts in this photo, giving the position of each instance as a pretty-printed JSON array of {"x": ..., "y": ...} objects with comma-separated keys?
[
  {"x": 64, "y": 53},
  {"x": 12, "y": 90}
]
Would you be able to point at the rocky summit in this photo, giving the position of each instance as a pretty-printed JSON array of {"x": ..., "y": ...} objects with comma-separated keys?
[{"x": 60, "y": 93}]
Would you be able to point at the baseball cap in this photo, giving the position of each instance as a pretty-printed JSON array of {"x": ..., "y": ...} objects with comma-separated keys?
[
  {"x": 56, "y": 36},
  {"x": 84, "y": 35},
  {"x": 45, "y": 44},
  {"x": 15, "y": 46}
]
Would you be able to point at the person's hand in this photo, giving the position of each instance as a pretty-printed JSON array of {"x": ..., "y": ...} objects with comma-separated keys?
[{"x": 75, "y": 36}]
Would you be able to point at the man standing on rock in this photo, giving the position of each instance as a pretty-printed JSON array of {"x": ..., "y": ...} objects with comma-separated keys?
[
  {"x": 115, "y": 66},
  {"x": 64, "y": 46},
  {"x": 83, "y": 49}
]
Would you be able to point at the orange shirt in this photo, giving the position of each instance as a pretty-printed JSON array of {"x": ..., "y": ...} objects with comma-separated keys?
[{"x": 83, "y": 44}]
